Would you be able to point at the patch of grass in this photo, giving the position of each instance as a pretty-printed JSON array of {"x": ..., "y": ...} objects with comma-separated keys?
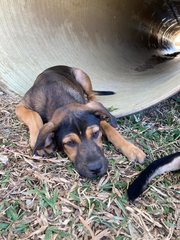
[
  {"x": 51, "y": 231},
  {"x": 4, "y": 179},
  {"x": 46, "y": 198},
  {"x": 74, "y": 196},
  {"x": 12, "y": 218},
  {"x": 21, "y": 228}
]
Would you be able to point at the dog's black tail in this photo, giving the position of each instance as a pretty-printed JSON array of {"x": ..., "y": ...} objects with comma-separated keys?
[
  {"x": 103, "y": 93},
  {"x": 158, "y": 167}
]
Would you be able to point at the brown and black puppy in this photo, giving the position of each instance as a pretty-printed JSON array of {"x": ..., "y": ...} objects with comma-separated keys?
[{"x": 61, "y": 112}]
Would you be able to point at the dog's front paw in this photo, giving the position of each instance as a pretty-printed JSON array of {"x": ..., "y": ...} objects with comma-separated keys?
[
  {"x": 40, "y": 153},
  {"x": 46, "y": 151},
  {"x": 134, "y": 153}
]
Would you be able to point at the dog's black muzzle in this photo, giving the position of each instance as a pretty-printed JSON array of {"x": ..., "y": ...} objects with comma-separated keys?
[{"x": 90, "y": 161}]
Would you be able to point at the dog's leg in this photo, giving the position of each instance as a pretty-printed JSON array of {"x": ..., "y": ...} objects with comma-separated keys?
[
  {"x": 83, "y": 79},
  {"x": 128, "y": 149},
  {"x": 31, "y": 119}
]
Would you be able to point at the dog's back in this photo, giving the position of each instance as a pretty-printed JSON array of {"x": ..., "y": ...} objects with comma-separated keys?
[{"x": 53, "y": 88}]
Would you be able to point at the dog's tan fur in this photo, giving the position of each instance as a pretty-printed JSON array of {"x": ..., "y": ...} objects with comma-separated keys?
[{"x": 74, "y": 82}]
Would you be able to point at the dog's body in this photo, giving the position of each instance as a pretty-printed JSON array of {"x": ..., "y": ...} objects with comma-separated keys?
[{"x": 61, "y": 111}]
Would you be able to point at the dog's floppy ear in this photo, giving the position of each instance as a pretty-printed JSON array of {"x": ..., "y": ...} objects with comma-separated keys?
[
  {"x": 45, "y": 136},
  {"x": 98, "y": 109}
]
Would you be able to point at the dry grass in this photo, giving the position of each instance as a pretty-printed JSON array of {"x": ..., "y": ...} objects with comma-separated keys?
[{"x": 46, "y": 198}]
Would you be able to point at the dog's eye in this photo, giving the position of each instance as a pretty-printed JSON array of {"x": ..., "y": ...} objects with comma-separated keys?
[
  {"x": 70, "y": 143},
  {"x": 95, "y": 134}
]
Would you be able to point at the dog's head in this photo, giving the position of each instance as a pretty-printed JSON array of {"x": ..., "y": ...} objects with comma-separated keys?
[{"x": 76, "y": 129}]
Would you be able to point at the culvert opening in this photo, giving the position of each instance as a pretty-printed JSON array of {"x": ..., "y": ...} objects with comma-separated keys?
[{"x": 127, "y": 47}]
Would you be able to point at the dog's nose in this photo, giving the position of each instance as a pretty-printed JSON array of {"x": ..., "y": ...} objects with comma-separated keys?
[{"x": 95, "y": 167}]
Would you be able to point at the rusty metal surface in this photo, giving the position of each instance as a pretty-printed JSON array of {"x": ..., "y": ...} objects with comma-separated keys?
[{"x": 125, "y": 46}]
